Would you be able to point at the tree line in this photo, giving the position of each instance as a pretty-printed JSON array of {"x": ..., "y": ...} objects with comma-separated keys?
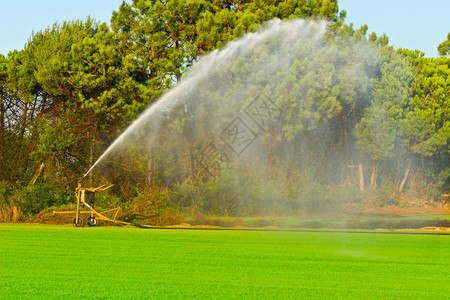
[{"x": 76, "y": 85}]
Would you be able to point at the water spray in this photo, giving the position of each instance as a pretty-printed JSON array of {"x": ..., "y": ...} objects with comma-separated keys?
[{"x": 236, "y": 99}]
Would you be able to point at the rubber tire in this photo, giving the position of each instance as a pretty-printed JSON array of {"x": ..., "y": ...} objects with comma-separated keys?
[
  {"x": 80, "y": 222},
  {"x": 92, "y": 221}
]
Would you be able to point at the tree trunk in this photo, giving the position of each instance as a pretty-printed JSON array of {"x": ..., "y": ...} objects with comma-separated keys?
[
  {"x": 2, "y": 117},
  {"x": 373, "y": 177},
  {"x": 24, "y": 121},
  {"x": 91, "y": 156},
  {"x": 347, "y": 173},
  {"x": 361, "y": 177},
  {"x": 2, "y": 126},
  {"x": 150, "y": 176},
  {"x": 405, "y": 177},
  {"x": 33, "y": 110}
]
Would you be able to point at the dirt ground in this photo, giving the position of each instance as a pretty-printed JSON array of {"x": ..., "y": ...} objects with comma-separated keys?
[
  {"x": 435, "y": 208},
  {"x": 56, "y": 219}
]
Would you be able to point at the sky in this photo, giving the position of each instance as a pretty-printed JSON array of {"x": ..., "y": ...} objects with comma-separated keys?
[
  {"x": 412, "y": 24},
  {"x": 19, "y": 18}
]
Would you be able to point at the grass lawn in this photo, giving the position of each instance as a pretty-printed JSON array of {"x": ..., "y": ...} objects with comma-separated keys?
[{"x": 117, "y": 262}]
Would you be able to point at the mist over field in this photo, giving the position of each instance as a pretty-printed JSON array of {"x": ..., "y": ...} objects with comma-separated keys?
[{"x": 262, "y": 122}]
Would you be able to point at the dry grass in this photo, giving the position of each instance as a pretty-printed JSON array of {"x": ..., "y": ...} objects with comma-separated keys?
[{"x": 11, "y": 214}]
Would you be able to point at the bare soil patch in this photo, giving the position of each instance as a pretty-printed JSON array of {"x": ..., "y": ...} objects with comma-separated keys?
[{"x": 396, "y": 210}]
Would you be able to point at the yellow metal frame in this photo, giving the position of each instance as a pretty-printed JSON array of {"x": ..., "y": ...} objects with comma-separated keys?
[{"x": 81, "y": 200}]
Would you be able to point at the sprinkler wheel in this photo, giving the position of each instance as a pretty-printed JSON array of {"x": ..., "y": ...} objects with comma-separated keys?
[
  {"x": 92, "y": 221},
  {"x": 78, "y": 223}
]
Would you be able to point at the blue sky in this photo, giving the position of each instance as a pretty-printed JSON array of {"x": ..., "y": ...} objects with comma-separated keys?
[
  {"x": 413, "y": 24},
  {"x": 19, "y": 18}
]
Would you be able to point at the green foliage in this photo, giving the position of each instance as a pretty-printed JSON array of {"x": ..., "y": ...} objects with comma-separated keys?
[
  {"x": 79, "y": 64},
  {"x": 151, "y": 207},
  {"x": 106, "y": 200},
  {"x": 235, "y": 194},
  {"x": 225, "y": 21},
  {"x": 51, "y": 142},
  {"x": 165, "y": 37},
  {"x": 427, "y": 129},
  {"x": 444, "y": 47},
  {"x": 443, "y": 183},
  {"x": 377, "y": 132},
  {"x": 40, "y": 196}
]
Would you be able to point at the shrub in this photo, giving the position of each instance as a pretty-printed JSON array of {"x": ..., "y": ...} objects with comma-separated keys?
[
  {"x": 40, "y": 196},
  {"x": 106, "y": 200},
  {"x": 34, "y": 199},
  {"x": 233, "y": 194},
  {"x": 61, "y": 198},
  {"x": 151, "y": 207}
]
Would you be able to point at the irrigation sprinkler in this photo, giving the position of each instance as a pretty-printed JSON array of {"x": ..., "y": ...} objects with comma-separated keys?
[{"x": 86, "y": 197}]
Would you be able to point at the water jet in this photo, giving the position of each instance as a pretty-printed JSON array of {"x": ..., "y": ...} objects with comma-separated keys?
[{"x": 260, "y": 112}]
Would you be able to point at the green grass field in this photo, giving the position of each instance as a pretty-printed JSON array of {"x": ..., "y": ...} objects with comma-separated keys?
[{"x": 117, "y": 262}]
